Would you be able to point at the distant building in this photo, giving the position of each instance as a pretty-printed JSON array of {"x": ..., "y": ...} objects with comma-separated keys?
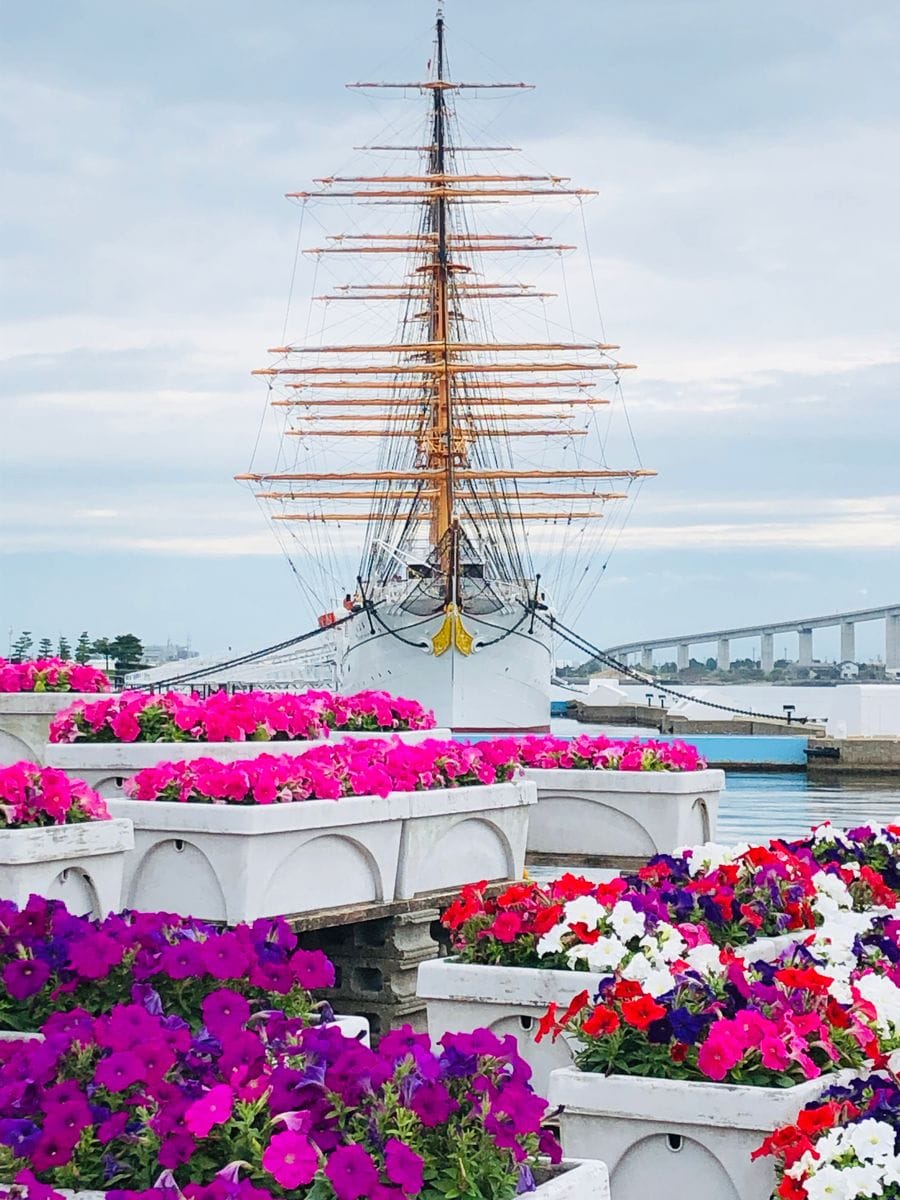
[
  {"x": 154, "y": 656},
  {"x": 849, "y": 670}
]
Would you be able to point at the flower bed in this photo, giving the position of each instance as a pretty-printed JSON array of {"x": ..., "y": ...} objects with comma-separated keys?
[
  {"x": 236, "y": 717},
  {"x": 265, "y": 837},
  {"x": 588, "y": 753},
  {"x": 257, "y": 1111},
  {"x": 57, "y": 839},
  {"x": 109, "y": 741},
  {"x": 546, "y": 938},
  {"x": 517, "y": 951},
  {"x": 51, "y": 675},
  {"x": 32, "y": 795},
  {"x": 844, "y": 1144},
  {"x": 53, "y": 961},
  {"x": 32, "y": 694}
]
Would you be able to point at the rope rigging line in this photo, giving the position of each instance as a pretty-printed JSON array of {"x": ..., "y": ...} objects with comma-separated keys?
[
  {"x": 580, "y": 643},
  {"x": 245, "y": 659}
]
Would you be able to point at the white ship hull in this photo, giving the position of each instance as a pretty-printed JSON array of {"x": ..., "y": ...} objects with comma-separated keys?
[{"x": 502, "y": 683}]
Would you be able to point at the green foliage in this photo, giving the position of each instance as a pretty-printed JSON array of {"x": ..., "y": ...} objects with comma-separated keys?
[
  {"x": 45, "y": 648},
  {"x": 63, "y": 649},
  {"x": 21, "y": 646},
  {"x": 127, "y": 652},
  {"x": 83, "y": 647},
  {"x": 103, "y": 646}
]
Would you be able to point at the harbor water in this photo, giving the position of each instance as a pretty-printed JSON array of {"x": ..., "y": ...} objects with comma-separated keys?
[{"x": 758, "y": 806}]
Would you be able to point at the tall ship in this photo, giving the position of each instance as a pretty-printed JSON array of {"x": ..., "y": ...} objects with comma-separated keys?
[{"x": 438, "y": 421}]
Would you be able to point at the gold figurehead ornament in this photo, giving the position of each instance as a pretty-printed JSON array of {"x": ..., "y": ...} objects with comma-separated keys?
[{"x": 452, "y": 633}]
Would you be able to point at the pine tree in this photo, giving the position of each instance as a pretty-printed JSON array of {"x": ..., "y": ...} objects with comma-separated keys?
[
  {"x": 103, "y": 646},
  {"x": 21, "y": 646},
  {"x": 45, "y": 648},
  {"x": 82, "y": 647},
  {"x": 64, "y": 650},
  {"x": 127, "y": 651}
]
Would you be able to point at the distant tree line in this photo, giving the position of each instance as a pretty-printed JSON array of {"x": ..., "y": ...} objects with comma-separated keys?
[{"x": 125, "y": 652}]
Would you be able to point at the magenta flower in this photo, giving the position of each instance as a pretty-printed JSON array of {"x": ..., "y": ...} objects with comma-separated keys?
[
  {"x": 312, "y": 969},
  {"x": 403, "y": 1166},
  {"x": 224, "y": 1011},
  {"x": 291, "y": 1159},
  {"x": 94, "y": 958},
  {"x": 23, "y": 977},
  {"x": 352, "y": 1173},
  {"x": 224, "y": 957},
  {"x": 176, "y": 1149},
  {"x": 719, "y": 1053},
  {"x": 112, "y": 1128},
  {"x": 53, "y": 1150},
  {"x": 119, "y": 1071},
  {"x": 774, "y": 1053},
  {"x": 432, "y": 1104},
  {"x": 210, "y": 1110}
]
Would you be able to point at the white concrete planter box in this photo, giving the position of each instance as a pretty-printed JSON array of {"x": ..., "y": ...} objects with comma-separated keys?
[
  {"x": 581, "y": 1181},
  {"x": 232, "y": 863},
  {"x": 106, "y": 765},
  {"x": 25, "y": 721},
  {"x": 81, "y": 864},
  {"x": 460, "y": 997},
  {"x": 622, "y": 814},
  {"x": 458, "y": 835},
  {"x": 666, "y": 1137}
]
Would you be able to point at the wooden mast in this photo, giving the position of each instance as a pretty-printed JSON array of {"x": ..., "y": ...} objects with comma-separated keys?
[
  {"x": 440, "y": 448},
  {"x": 447, "y": 393}
]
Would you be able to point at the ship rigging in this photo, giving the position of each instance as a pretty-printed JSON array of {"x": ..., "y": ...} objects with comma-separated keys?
[{"x": 438, "y": 414}]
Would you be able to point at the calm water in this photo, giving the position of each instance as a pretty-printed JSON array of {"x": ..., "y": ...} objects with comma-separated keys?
[{"x": 756, "y": 807}]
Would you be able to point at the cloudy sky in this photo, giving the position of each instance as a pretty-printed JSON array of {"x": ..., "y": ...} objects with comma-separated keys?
[{"x": 744, "y": 244}]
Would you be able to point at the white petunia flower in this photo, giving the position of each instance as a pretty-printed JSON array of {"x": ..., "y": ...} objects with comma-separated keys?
[
  {"x": 584, "y": 909},
  {"x": 871, "y": 1139},
  {"x": 551, "y": 941},
  {"x": 829, "y": 1183},
  {"x": 627, "y": 921},
  {"x": 705, "y": 960},
  {"x": 605, "y": 954},
  {"x": 658, "y": 982},
  {"x": 638, "y": 969}
]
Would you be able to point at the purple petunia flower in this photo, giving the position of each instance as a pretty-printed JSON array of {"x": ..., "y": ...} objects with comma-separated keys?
[
  {"x": 21, "y": 1136},
  {"x": 312, "y": 969},
  {"x": 404, "y": 1167},
  {"x": 119, "y": 1071},
  {"x": 432, "y": 1104},
  {"x": 224, "y": 1011},
  {"x": 94, "y": 957},
  {"x": 352, "y": 1173},
  {"x": 148, "y": 998},
  {"x": 24, "y": 977},
  {"x": 526, "y": 1182}
]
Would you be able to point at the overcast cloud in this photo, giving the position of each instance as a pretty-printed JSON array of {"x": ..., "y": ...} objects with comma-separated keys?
[{"x": 744, "y": 246}]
